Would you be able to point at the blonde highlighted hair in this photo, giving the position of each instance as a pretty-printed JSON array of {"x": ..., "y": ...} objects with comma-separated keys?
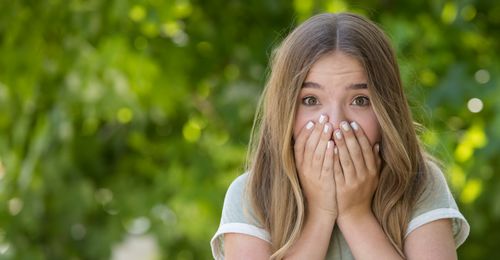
[{"x": 274, "y": 188}]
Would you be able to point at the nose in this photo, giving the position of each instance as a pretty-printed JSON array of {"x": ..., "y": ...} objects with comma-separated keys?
[{"x": 335, "y": 115}]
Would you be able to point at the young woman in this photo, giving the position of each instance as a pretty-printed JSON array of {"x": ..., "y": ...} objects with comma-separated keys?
[{"x": 335, "y": 167}]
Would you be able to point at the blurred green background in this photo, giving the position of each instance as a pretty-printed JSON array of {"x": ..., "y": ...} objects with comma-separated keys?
[{"x": 122, "y": 123}]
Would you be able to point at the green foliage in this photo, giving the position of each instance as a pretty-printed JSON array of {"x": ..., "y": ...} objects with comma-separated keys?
[{"x": 125, "y": 118}]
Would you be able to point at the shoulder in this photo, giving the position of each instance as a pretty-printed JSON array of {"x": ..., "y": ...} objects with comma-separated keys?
[
  {"x": 235, "y": 201},
  {"x": 237, "y": 188},
  {"x": 436, "y": 202},
  {"x": 436, "y": 193},
  {"x": 237, "y": 216}
]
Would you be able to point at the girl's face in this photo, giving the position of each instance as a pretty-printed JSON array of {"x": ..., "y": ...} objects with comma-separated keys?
[{"x": 336, "y": 86}]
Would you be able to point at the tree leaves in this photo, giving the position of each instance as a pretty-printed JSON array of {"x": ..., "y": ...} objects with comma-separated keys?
[{"x": 124, "y": 119}]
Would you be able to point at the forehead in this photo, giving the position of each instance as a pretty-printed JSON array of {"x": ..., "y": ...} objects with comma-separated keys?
[{"x": 335, "y": 70}]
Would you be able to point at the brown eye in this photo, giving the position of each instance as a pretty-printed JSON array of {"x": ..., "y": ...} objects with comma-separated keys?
[
  {"x": 361, "y": 101},
  {"x": 309, "y": 101}
]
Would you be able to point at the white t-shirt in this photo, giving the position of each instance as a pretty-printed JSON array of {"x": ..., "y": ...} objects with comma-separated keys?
[{"x": 435, "y": 203}]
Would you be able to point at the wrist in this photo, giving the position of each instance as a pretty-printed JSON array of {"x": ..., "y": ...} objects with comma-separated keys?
[
  {"x": 355, "y": 217},
  {"x": 320, "y": 215}
]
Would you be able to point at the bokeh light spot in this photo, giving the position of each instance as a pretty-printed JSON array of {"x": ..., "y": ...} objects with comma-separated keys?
[
  {"x": 78, "y": 231},
  {"x": 482, "y": 76},
  {"x": 191, "y": 131},
  {"x": 475, "y": 105},
  {"x": 472, "y": 139},
  {"x": 471, "y": 191},
  {"x": 457, "y": 177},
  {"x": 430, "y": 138},
  {"x": 428, "y": 77},
  {"x": 183, "y": 9},
  {"x": 137, "y": 13},
  {"x": 476, "y": 136},
  {"x": 468, "y": 12},
  {"x": 463, "y": 152},
  {"x": 303, "y": 7},
  {"x": 449, "y": 13},
  {"x": 124, "y": 115},
  {"x": 336, "y": 6},
  {"x": 149, "y": 29},
  {"x": 181, "y": 39},
  {"x": 103, "y": 196},
  {"x": 138, "y": 226},
  {"x": 4, "y": 248},
  {"x": 170, "y": 28},
  {"x": 15, "y": 206}
]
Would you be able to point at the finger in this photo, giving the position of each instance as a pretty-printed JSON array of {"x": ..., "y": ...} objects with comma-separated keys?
[
  {"x": 337, "y": 170},
  {"x": 327, "y": 171},
  {"x": 300, "y": 142},
  {"x": 377, "y": 156},
  {"x": 366, "y": 147},
  {"x": 312, "y": 141},
  {"x": 319, "y": 153},
  {"x": 354, "y": 148},
  {"x": 344, "y": 157}
]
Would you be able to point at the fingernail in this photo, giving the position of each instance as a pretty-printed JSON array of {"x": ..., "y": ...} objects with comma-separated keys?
[
  {"x": 338, "y": 134},
  {"x": 345, "y": 126},
  {"x": 329, "y": 144},
  {"x": 335, "y": 150},
  {"x": 354, "y": 126},
  {"x": 377, "y": 147},
  {"x": 310, "y": 125},
  {"x": 326, "y": 128},
  {"x": 322, "y": 119}
]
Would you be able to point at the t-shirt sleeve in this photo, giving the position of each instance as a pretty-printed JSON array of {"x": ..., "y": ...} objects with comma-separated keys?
[
  {"x": 436, "y": 202},
  {"x": 237, "y": 217}
]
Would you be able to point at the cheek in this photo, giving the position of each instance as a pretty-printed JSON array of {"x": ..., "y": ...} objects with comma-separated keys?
[
  {"x": 372, "y": 129},
  {"x": 301, "y": 118}
]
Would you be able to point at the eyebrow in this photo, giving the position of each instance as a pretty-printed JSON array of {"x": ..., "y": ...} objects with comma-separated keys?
[{"x": 309, "y": 84}]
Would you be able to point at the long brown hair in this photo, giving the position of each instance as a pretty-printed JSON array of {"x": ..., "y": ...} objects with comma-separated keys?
[{"x": 274, "y": 187}]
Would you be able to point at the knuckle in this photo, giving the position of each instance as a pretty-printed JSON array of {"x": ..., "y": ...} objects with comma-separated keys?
[
  {"x": 317, "y": 157},
  {"x": 346, "y": 164},
  {"x": 357, "y": 153},
  {"x": 310, "y": 146},
  {"x": 325, "y": 135},
  {"x": 349, "y": 135},
  {"x": 366, "y": 149}
]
